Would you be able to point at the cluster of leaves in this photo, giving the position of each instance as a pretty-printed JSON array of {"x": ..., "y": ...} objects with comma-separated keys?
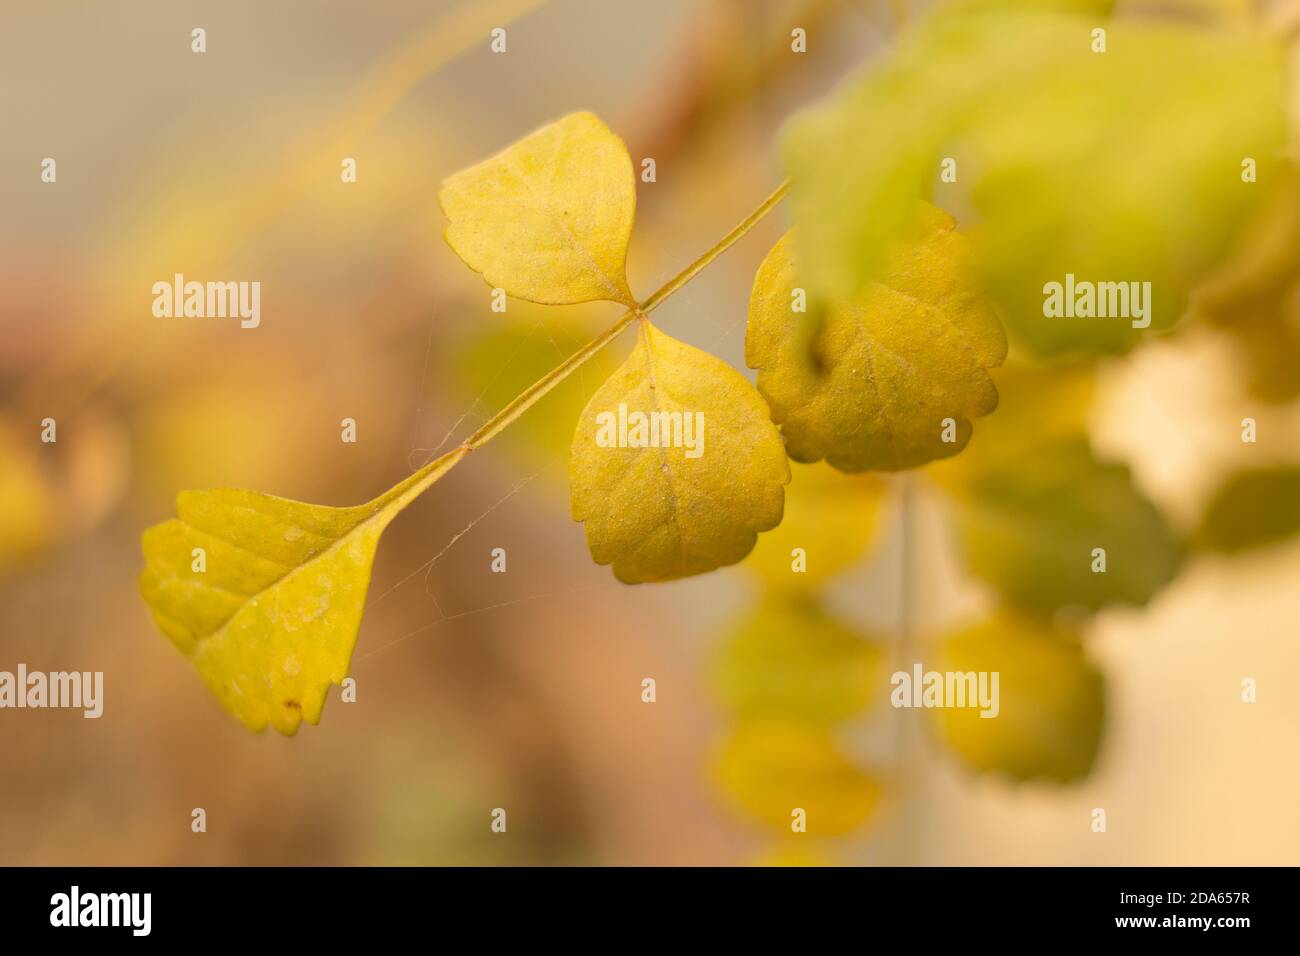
[
  {"x": 792, "y": 675},
  {"x": 1116, "y": 165},
  {"x": 269, "y": 612}
]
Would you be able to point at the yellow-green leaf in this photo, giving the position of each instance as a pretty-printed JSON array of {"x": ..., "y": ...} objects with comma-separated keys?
[
  {"x": 265, "y": 595},
  {"x": 1031, "y": 526},
  {"x": 830, "y": 521},
  {"x": 1050, "y": 701},
  {"x": 895, "y": 371},
  {"x": 698, "y": 500},
  {"x": 770, "y": 768},
  {"x": 790, "y": 658},
  {"x": 1253, "y": 508},
  {"x": 1117, "y": 166},
  {"x": 549, "y": 218}
]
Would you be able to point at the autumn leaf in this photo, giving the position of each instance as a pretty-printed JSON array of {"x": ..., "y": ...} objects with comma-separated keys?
[
  {"x": 549, "y": 218},
  {"x": 1253, "y": 508},
  {"x": 1116, "y": 166},
  {"x": 658, "y": 513},
  {"x": 1050, "y": 701},
  {"x": 265, "y": 595},
  {"x": 898, "y": 372},
  {"x": 790, "y": 658},
  {"x": 830, "y": 518},
  {"x": 1031, "y": 525},
  {"x": 771, "y": 767}
]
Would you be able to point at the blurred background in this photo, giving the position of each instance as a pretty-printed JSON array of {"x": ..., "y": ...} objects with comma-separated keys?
[{"x": 523, "y": 690}]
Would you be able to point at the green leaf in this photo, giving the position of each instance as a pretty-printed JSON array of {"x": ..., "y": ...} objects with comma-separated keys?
[
  {"x": 1252, "y": 509},
  {"x": 789, "y": 658},
  {"x": 268, "y": 610},
  {"x": 892, "y": 370},
  {"x": 549, "y": 218},
  {"x": 771, "y": 767},
  {"x": 1051, "y": 701},
  {"x": 698, "y": 501},
  {"x": 1122, "y": 166},
  {"x": 1028, "y": 526}
]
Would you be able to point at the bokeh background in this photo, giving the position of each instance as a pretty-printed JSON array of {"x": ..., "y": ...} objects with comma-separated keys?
[{"x": 519, "y": 690}]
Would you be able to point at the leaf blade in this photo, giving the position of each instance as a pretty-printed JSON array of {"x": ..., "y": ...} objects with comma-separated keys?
[
  {"x": 549, "y": 218},
  {"x": 270, "y": 617},
  {"x": 890, "y": 365},
  {"x": 1027, "y": 526},
  {"x": 1051, "y": 701},
  {"x": 652, "y": 513}
]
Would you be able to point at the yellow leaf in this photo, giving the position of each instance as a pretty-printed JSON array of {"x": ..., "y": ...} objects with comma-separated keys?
[
  {"x": 894, "y": 372},
  {"x": 1050, "y": 701},
  {"x": 830, "y": 516},
  {"x": 790, "y": 658},
  {"x": 771, "y": 768},
  {"x": 658, "y": 513},
  {"x": 268, "y": 608},
  {"x": 548, "y": 219}
]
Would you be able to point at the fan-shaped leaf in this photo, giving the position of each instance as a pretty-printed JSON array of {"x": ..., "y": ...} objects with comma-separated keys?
[
  {"x": 549, "y": 218},
  {"x": 676, "y": 465},
  {"x": 265, "y": 595}
]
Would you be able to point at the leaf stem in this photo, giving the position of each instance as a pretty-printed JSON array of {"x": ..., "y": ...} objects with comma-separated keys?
[
  {"x": 417, "y": 482},
  {"x": 722, "y": 245}
]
